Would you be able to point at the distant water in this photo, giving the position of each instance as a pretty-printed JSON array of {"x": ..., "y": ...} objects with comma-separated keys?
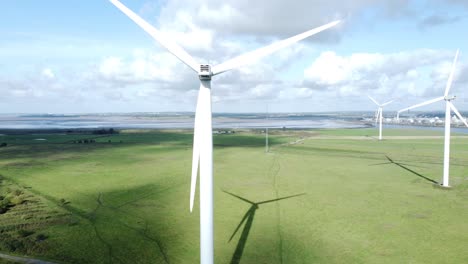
[
  {"x": 179, "y": 121},
  {"x": 185, "y": 120}
]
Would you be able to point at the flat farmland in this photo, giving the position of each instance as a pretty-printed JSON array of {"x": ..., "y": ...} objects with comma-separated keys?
[{"x": 318, "y": 196}]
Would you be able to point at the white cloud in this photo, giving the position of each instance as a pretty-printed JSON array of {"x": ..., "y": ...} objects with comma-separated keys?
[
  {"x": 214, "y": 31},
  {"x": 142, "y": 67},
  {"x": 189, "y": 35},
  {"x": 111, "y": 66},
  {"x": 48, "y": 73},
  {"x": 157, "y": 77},
  {"x": 384, "y": 74}
]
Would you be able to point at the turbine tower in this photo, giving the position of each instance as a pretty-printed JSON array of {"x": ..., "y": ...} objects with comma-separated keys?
[
  {"x": 448, "y": 108},
  {"x": 379, "y": 116},
  {"x": 203, "y": 134}
]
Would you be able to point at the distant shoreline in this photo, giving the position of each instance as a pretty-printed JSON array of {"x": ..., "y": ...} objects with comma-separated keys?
[
  {"x": 228, "y": 121},
  {"x": 82, "y": 123}
]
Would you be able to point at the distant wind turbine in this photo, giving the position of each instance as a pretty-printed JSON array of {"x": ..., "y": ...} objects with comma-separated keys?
[
  {"x": 203, "y": 135},
  {"x": 266, "y": 132},
  {"x": 379, "y": 116},
  {"x": 448, "y": 108}
]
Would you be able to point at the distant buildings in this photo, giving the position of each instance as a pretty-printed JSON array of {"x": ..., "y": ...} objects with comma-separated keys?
[{"x": 419, "y": 121}]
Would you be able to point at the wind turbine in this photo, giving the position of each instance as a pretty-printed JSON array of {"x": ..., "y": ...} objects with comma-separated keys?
[
  {"x": 203, "y": 135},
  {"x": 448, "y": 108},
  {"x": 379, "y": 114}
]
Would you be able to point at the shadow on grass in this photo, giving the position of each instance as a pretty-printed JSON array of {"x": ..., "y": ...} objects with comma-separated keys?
[
  {"x": 403, "y": 166},
  {"x": 25, "y": 146},
  {"x": 115, "y": 221},
  {"x": 248, "y": 219},
  {"x": 116, "y": 211}
]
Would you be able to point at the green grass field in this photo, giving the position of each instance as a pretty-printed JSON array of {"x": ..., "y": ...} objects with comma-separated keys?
[{"x": 345, "y": 200}]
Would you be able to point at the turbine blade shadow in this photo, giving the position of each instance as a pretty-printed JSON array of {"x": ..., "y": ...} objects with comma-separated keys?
[
  {"x": 417, "y": 174},
  {"x": 236, "y": 257},
  {"x": 411, "y": 165},
  {"x": 393, "y": 162},
  {"x": 238, "y": 197},
  {"x": 281, "y": 198},
  {"x": 410, "y": 170},
  {"x": 248, "y": 220},
  {"x": 249, "y": 212}
]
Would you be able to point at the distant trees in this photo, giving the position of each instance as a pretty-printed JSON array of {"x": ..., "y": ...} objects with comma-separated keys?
[
  {"x": 3, "y": 145},
  {"x": 109, "y": 131},
  {"x": 84, "y": 141},
  {"x": 102, "y": 132}
]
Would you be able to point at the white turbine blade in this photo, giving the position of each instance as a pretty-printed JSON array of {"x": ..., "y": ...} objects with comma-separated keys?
[
  {"x": 373, "y": 100},
  {"x": 195, "y": 162},
  {"x": 262, "y": 52},
  {"x": 389, "y": 102},
  {"x": 196, "y": 152},
  {"x": 167, "y": 43},
  {"x": 422, "y": 104},
  {"x": 454, "y": 109},
  {"x": 450, "y": 79}
]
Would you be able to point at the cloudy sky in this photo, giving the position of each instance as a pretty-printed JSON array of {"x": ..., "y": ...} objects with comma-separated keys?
[{"x": 86, "y": 56}]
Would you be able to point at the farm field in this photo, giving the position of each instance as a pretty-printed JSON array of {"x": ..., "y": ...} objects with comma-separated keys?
[{"x": 318, "y": 196}]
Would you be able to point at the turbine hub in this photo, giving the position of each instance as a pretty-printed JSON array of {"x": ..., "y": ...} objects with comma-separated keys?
[{"x": 204, "y": 72}]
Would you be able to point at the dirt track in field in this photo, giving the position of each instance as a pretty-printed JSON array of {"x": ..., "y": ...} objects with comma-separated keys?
[{"x": 23, "y": 259}]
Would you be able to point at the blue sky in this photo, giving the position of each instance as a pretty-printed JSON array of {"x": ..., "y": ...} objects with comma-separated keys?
[{"x": 86, "y": 56}]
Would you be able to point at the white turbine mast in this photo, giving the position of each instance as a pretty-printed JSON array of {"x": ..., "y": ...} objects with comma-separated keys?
[
  {"x": 379, "y": 114},
  {"x": 448, "y": 108},
  {"x": 203, "y": 135}
]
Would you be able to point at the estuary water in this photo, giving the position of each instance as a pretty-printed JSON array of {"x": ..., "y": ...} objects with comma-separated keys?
[
  {"x": 178, "y": 121},
  {"x": 184, "y": 120}
]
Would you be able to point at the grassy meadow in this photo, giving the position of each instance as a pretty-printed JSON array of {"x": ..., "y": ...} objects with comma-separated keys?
[{"x": 319, "y": 196}]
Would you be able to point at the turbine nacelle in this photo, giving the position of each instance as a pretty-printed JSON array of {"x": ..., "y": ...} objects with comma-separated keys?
[
  {"x": 204, "y": 72},
  {"x": 450, "y": 98}
]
